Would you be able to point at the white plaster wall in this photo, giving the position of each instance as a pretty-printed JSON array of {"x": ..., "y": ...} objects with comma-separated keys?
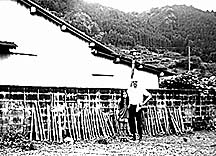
[{"x": 62, "y": 59}]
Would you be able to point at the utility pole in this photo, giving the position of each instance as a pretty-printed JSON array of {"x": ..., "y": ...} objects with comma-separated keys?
[{"x": 189, "y": 60}]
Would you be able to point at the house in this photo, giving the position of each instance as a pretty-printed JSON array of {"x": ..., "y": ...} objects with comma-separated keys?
[{"x": 44, "y": 50}]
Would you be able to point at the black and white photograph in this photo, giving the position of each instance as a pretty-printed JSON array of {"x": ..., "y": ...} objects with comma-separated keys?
[{"x": 107, "y": 78}]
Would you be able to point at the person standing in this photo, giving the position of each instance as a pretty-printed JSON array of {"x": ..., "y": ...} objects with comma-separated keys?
[
  {"x": 136, "y": 101},
  {"x": 123, "y": 113}
]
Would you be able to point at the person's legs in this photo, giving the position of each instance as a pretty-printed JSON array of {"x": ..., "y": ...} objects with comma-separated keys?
[
  {"x": 120, "y": 127},
  {"x": 131, "y": 120},
  {"x": 139, "y": 124}
]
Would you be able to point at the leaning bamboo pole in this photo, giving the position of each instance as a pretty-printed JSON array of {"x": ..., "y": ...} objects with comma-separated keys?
[
  {"x": 145, "y": 124},
  {"x": 77, "y": 116},
  {"x": 68, "y": 121},
  {"x": 101, "y": 123},
  {"x": 32, "y": 125},
  {"x": 91, "y": 123},
  {"x": 181, "y": 120},
  {"x": 88, "y": 130},
  {"x": 81, "y": 126},
  {"x": 97, "y": 128},
  {"x": 110, "y": 125},
  {"x": 167, "y": 127},
  {"x": 41, "y": 122},
  {"x": 159, "y": 122},
  {"x": 48, "y": 123},
  {"x": 106, "y": 126},
  {"x": 176, "y": 128},
  {"x": 37, "y": 133},
  {"x": 74, "y": 127},
  {"x": 60, "y": 126}
]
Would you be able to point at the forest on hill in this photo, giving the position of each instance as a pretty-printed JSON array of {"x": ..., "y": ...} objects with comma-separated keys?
[{"x": 162, "y": 35}]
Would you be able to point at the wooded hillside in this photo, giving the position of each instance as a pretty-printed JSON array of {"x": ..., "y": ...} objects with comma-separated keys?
[{"x": 162, "y": 35}]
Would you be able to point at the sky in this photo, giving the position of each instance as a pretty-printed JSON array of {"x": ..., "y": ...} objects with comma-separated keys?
[{"x": 145, "y": 5}]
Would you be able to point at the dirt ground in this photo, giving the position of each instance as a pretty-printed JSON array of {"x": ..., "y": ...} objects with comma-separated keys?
[{"x": 202, "y": 143}]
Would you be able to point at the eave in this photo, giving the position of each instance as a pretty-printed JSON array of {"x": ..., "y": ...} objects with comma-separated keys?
[{"x": 103, "y": 51}]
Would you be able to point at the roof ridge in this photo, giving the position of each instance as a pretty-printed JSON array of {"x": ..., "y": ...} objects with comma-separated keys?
[
  {"x": 65, "y": 26},
  {"x": 62, "y": 22}
]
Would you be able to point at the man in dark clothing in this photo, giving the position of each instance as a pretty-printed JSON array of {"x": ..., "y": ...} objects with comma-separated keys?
[{"x": 135, "y": 102}]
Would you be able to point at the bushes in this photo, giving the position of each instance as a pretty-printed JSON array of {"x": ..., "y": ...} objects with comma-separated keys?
[{"x": 188, "y": 80}]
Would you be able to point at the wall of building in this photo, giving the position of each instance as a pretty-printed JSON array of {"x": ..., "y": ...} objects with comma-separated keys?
[{"x": 62, "y": 59}]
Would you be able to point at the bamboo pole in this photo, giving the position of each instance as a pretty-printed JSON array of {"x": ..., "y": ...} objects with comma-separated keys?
[
  {"x": 94, "y": 127},
  {"x": 173, "y": 122},
  {"x": 176, "y": 117},
  {"x": 145, "y": 114},
  {"x": 37, "y": 133},
  {"x": 89, "y": 124},
  {"x": 73, "y": 122},
  {"x": 78, "y": 125},
  {"x": 166, "y": 121},
  {"x": 48, "y": 121},
  {"x": 90, "y": 121},
  {"x": 101, "y": 123},
  {"x": 181, "y": 119},
  {"x": 71, "y": 119},
  {"x": 39, "y": 122},
  {"x": 53, "y": 127},
  {"x": 56, "y": 127},
  {"x": 105, "y": 124},
  {"x": 110, "y": 125},
  {"x": 68, "y": 122},
  {"x": 53, "y": 118},
  {"x": 144, "y": 123},
  {"x": 65, "y": 126},
  {"x": 152, "y": 122},
  {"x": 156, "y": 120},
  {"x": 60, "y": 127},
  {"x": 97, "y": 123},
  {"x": 42, "y": 123},
  {"x": 86, "y": 124},
  {"x": 82, "y": 124},
  {"x": 149, "y": 121},
  {"x": 32, "y": 124},
  {"x": 159, "y": 123}
]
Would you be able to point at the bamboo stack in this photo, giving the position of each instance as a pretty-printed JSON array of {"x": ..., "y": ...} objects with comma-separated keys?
[
  {"x": 91, "y": 123},
  {"x": 152, "y": 122},
  {"x": 176, "y": 119},
  {"x": 87, "y": 124},
  {"x": 155, "y": 123}
]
